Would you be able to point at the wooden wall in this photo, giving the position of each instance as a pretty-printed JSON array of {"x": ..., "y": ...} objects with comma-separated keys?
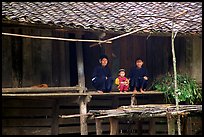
[
  {"x": 27, "y": 62},
  {"x": 156, "y": 53}
]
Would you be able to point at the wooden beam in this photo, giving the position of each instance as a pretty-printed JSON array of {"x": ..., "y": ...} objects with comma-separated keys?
[
  {"x": 114, "y": 127},
  {"x": 37, "y": 90},
  {"x": 98, "y": 126}
]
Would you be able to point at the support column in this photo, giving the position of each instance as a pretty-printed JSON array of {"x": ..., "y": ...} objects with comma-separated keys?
[
  {"x": 133, "y": 100},
  {"x": 98, "y": 126},
  {"x": 81, "y": 83},
  {"x": 83, "y": 117},
  {"x": 171, "y": 124},
  {"x": 114, "y": 127}
]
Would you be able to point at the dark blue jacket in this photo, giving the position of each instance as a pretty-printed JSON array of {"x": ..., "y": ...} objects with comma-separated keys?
[
  {"x": 136, "y": 72},
  {"x": 101, "y": 72}
]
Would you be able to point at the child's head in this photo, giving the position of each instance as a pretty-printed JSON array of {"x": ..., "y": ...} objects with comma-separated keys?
[
  {"x": 103, "y": 60},
  {"x": 121, "y": 72},
  {"x": 139, "y": 62}
]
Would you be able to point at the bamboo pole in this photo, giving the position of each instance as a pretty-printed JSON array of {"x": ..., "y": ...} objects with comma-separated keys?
[
  {"x": 123, "y": 35},
  {"x": 74, "y": 115},
  {"x": 175, "y": 76},
  {"x": 54, "y": 38}
]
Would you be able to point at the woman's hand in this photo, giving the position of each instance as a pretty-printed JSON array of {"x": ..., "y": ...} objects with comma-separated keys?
[{"x": 145, "y": 78}]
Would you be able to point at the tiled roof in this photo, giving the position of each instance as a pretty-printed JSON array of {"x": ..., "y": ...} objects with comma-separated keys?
[{"x": 107, "y": 16}]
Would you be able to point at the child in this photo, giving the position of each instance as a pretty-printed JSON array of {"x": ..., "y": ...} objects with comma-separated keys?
[
  {"x": 102, "y": 77},
  {"x": 138, "y": 77},
  {"x": 121, "y": 81}
]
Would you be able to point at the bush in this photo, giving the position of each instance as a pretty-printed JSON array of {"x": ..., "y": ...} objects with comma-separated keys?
[{"x": 188, "y": 89}]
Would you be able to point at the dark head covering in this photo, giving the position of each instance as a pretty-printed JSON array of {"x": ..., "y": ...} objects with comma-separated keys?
[
  {"x": 102, "y": 56},
  {"x": 138, "y": 58}
]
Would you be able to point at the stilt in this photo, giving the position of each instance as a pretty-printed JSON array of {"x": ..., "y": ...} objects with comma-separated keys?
[
  {"x": 98, "y": 126},
  {"x": 114, "y": 127},
  {"x": 170, "y": 124}
]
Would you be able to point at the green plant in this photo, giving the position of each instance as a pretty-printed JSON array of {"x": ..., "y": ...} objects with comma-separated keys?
[{"x": 188, "y": 88}]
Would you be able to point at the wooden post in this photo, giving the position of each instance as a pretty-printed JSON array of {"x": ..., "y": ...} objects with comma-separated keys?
[
  {"x": 80, "y": 63},
  {"x": 152, "y": 126},
  {"x": 81, "y": 82},
  {"x": 114, "y": 127},
  {"x": 83, "y": 118},
  {"x": 133, "y": 100},
  {"x": 55, "y": 122},
  {"x": 170, "y": 124},
  {"x": 98, "y": 126}
]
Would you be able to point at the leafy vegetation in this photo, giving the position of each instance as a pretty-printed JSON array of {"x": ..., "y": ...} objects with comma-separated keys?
[{"x": 188, "y": 89}]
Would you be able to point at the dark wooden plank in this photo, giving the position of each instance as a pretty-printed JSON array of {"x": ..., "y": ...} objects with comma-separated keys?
[
  {"x": 67, "y": 121},
  {"x": 27, "y": 112},
  {"x": 196, "y": 68},
  {"x": 188, "y": 128},
  {"x": 26, "y": 122},
  {"x": 62, "y": 60},
  {"x": 55, "y": 114},
  {"x": 26, "y": 131},
  {"x": 67, "y": 61},
  {"x": 55, "y": 61},
  {"x": 6, "y": 59},
  {"x": 152, "y": 127},
  {"x": 139, "y": 127},
  {"x": 16, "y": 44},
  {"x": 26, "y": 103},
  {"x": 36, "y": 57},
  {"x": 116, "y": 49},
  {"x": 46, "y": 58},
  {"x": 27, "y": 59},
  {"x": 73, "y": 129}
]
